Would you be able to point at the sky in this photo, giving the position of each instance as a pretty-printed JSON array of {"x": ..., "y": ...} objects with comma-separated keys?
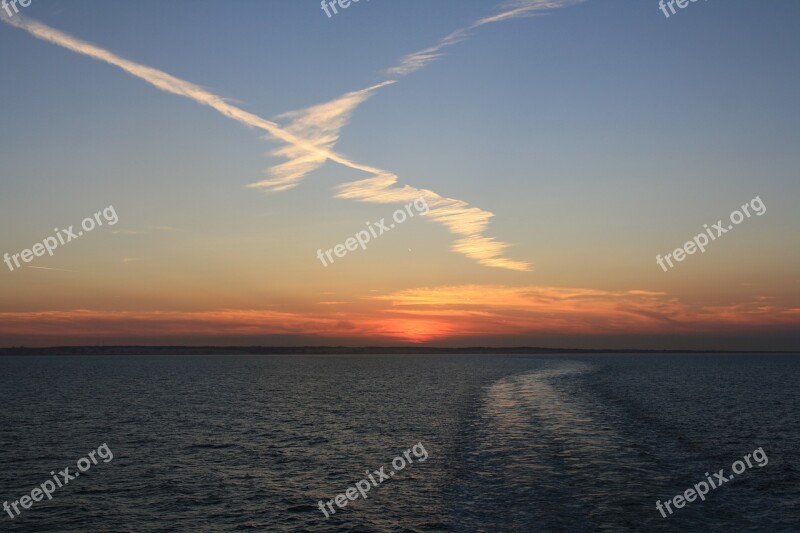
[{"x": 557, "y": 146}]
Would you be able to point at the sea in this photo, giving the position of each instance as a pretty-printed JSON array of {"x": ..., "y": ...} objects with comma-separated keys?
[{"x": 587, "y": 442}]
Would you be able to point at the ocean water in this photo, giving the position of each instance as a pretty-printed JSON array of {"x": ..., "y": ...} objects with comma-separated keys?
[{"x": 558, "y": 443}]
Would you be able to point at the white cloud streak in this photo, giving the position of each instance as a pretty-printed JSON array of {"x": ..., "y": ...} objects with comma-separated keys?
[
  {"x": 519, "y": 9},
  {"x": 177, "y": 86}
]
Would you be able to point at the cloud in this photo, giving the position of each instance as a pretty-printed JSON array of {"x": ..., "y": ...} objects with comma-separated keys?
[
  {"x": 80, "y": 326},
  {"x": 525, "y": 8},
  {"x": 418, "y": 60},
  {"x": 522, "y": 8},
  {"x": 49, "y": 268},
  {"x": 426, "y": 314},
  {"x": 496, "y": 310},
  {"x": 456, "y": 215}
]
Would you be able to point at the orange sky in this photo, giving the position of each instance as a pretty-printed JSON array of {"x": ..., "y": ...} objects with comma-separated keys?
[{"x": 441, "y": 315}]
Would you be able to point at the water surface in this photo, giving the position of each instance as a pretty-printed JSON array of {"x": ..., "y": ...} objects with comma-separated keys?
[{"x": 583, "y": 443}]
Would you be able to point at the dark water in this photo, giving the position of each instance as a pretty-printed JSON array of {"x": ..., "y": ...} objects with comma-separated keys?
[{"x": 514, "y": 443}]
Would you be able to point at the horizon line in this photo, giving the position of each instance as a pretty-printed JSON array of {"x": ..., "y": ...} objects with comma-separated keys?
[{"x": 338, "y": 350}]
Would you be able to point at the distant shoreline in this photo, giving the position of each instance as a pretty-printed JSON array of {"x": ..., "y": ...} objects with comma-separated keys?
[{"x": 344, "y": 350}]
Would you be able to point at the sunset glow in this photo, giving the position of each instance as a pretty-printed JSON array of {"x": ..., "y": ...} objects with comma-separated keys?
[{"x": 231, "y": 178}]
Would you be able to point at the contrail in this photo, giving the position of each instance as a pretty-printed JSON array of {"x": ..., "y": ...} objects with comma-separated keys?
[
  {"x": 48, "y": 268},
  {"x": 173, "y": 85},
  {"x": 513, "y": 10}
]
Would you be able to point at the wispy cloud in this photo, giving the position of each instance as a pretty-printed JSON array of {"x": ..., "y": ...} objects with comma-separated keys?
[
  {"x": 418, "y": 60},
  {"x": 48, "y": 268},
  {"x": 421, "y": 315},
  {"x": 473, "y": 310},
  {"x": 525, "y": 8},
  {"x": 456, "y": 215},
  {"x": 521, "y": 8},
  {"x": 59, "y": 326}
]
